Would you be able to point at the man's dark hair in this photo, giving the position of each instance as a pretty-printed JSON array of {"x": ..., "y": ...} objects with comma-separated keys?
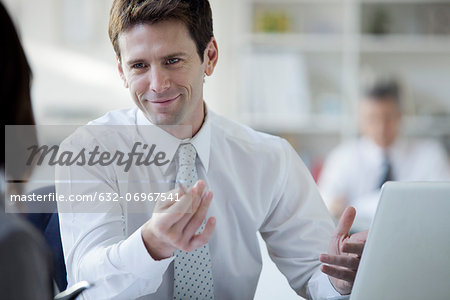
[
  {"x": 384, "y": 90},
  {"x": 15, "y": 75},
  {"x": 15, "y": 81},
  {"x": 195, "y": 14}
]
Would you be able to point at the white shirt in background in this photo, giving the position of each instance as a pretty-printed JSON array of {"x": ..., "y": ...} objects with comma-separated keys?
[
  {"x": 259, "y": 184},
  {"x": 354, "y": 170}
]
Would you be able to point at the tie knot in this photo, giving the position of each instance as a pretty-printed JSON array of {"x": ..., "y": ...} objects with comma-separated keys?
[{"x": 186, "y": 154}]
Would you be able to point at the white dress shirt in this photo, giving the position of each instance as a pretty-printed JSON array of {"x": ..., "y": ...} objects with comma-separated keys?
[
  {"x": 354, "y": 170},
  {"x": 259, "y": 184}
]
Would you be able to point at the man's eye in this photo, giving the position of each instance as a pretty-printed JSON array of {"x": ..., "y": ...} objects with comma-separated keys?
[
  {"x": 138, "y": 66},
  {"x": 172, "y": 61}
]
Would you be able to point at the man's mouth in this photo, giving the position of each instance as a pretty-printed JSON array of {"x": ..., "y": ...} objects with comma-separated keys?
[{"x": 163, "y": 101}]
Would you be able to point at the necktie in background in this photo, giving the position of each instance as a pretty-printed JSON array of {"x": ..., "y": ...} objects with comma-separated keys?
[
  {"x": 386, "y": 175},
  {"x": 192, "y": 270}
]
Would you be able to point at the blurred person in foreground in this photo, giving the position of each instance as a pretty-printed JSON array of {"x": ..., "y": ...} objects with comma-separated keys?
[
  {"x": 355, "y": 171},
  {"x": 25, "y": 261},
  {"x": 197, "y": 247}
]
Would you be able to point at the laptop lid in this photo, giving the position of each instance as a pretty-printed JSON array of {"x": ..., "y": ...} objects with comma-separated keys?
[{"x": 407, "y": 253}]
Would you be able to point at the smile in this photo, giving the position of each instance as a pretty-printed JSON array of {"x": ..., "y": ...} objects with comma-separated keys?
[{"x": 164, "y": 102}]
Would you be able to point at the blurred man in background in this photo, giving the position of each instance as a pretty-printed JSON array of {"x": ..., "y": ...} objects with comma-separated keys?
[{"x": 354, "y": 172}]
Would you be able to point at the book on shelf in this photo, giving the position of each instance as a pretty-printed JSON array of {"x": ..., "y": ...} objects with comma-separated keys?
[{"x": 276, "y": 84}]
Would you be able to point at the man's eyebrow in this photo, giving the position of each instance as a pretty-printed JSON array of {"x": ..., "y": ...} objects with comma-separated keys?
[
  {"x": 134, "y": 61},
  {"x": 176, "y": 54},
  {"x": 165, "y": 57}
]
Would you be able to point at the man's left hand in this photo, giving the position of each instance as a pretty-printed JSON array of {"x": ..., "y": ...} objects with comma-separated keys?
[{"x": 344, "y": 253}]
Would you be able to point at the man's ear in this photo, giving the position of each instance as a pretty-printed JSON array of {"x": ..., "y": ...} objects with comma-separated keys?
[
  {"x": 119, "y": 68},
  {"x": 211, "y": 56}
]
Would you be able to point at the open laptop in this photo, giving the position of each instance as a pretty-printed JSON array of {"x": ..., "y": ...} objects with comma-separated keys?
[{"x": 407, "y": 254}]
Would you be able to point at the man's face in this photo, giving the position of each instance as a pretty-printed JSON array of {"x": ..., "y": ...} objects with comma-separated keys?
[
  {"x": 161, "y": 67},
  {"x": 380, "y": 121}
]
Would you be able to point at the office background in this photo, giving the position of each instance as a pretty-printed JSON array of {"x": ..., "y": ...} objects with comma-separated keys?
[{"x": 293, "y": 68}]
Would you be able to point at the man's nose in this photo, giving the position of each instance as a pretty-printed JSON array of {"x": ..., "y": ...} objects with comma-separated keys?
[{"x": 159, "y": 80}]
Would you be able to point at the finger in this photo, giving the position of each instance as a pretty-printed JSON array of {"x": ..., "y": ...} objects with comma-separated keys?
[
  {"x": 197, "y": 219},
  {"x": 339, "y": 273},
  {"x": 187, "y": 201},
  {"x": 180, "y": 212},
  {"x": 203, "y": 237},
  {"x": 340, "y": 260},
  {"x": 180, "y": 207},
  {"x": 165, "y": 213},
  {"x": 176, "y": 212},
  {"x": 197, "y": 192},
  {"x": 173, "y": 194},
  {"x": 184, "y": 221},
  {"x": 199, "y": 186},
  {"x": 346, "y": 221},
  {"x": 355, "y": 248},
  {"x": 359, "y": 236}
]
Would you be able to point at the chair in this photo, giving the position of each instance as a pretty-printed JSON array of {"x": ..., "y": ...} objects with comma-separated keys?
[{"x": 73, "y": 292}]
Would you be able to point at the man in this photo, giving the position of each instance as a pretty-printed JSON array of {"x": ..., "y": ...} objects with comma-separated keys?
[
  {"x": 354, "y": 172},
  {"x": 197, "y": 247}
]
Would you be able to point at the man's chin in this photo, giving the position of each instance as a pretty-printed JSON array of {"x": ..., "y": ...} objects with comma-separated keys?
[
  {"x": 384, "y": 144},
  {"x": 162, "y": 119}
]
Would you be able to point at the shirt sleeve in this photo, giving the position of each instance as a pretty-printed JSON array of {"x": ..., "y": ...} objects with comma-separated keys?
[
  {"x": 95, "y": 243},
  {"x": 433, "y": 161},
  {"x": 320, "y": 287},
  {"x": 298, "y": 229}
]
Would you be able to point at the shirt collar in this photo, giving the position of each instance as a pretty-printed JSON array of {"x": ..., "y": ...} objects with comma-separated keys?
[
  {"x": 169, "y": 144},
  {"x": 374, "y": 151},
  {"x": 202, "y": 140}
]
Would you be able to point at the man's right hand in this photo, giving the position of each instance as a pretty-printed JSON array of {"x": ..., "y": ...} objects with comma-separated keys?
[{"x": 174, "y": 224}]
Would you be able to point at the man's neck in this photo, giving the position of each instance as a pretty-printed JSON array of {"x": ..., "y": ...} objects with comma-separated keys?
[{"x": 183, "y": 132}]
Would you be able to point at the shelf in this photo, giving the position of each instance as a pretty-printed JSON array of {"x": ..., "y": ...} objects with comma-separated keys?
[
  {"x": 338, "y": 55},
  {"x": 304, "y": 42},
  {"x": 405, "y": 44},
  {"x": 427, "y": 125},
  {"x": 312, "y": 124},
  {"x": 330, "y": 125}
]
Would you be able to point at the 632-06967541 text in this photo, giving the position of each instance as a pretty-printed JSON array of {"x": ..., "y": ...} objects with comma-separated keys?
[{"x": 102, "y": 197}]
